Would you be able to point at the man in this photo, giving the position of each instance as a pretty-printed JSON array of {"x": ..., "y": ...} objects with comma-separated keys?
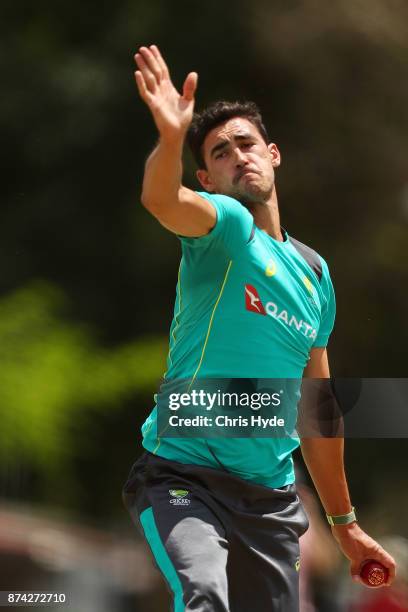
[{"x": 222, "y": 516}]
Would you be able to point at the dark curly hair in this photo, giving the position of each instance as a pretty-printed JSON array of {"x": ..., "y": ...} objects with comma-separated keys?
[{"x": 214, "y": 115}]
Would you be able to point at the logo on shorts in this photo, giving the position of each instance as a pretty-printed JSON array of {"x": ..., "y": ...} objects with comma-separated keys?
[
  {"x": 297, "y": 564},
  {"x": 179, "y": 497}
]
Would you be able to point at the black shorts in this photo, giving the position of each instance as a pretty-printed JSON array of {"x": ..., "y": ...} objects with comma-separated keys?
[{"x": 222, "y": 543}]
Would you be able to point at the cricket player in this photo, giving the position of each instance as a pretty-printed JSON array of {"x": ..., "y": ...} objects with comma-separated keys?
[{"x": 222, "y": 516}]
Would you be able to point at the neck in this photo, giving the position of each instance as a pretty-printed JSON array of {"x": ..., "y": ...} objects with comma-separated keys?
[{"x": 266, "y": 216}]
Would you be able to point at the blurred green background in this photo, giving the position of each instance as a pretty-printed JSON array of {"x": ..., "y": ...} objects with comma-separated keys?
[{"x": 88, "y": 277}]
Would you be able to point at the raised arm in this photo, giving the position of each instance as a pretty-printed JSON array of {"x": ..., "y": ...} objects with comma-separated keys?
[
  {"x": 323, "y": 457},
  {"x": 178, "y": 208}
]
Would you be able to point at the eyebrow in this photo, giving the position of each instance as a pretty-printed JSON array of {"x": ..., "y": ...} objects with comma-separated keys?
[{"x": 223, "y": 143}]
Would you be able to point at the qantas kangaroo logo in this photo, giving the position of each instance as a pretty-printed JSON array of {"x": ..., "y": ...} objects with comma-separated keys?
[{"x": 253, "y": 301}]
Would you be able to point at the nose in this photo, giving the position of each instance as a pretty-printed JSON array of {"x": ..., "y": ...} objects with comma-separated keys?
[{"x": 240, "y": 158}]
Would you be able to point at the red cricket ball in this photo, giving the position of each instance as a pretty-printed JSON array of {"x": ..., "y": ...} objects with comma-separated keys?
[{"x": 373, "y": 573}]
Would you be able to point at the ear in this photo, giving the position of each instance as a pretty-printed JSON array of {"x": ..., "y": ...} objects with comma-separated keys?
[
  {"x": 276, "y": 156},
  {"x": 204, "y": 180}
]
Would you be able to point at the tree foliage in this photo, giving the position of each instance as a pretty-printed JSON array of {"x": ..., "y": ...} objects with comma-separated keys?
[{"x": 331, "y": 81}]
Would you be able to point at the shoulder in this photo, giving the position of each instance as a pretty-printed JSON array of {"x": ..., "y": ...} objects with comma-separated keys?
[
  {"x": 232, "y": 229},
  {"x": 312, "y": 257}
]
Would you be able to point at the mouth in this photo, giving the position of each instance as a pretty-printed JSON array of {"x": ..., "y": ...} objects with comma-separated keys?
[{"x": 244, "y": 172}]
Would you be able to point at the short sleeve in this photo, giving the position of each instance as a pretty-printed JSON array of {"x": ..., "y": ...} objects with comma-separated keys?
[
  {"x": 328, "y": 308},
  {"x": 232, "y": 229}
]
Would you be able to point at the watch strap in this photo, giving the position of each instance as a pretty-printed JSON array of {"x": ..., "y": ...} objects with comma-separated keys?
[{"x": 342, "y": 519}]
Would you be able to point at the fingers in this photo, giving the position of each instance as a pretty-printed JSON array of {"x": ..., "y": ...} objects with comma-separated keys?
[
  {"x": 148, "y": 75},
  {"x": 190, "y": 86},
  {"x": 151, "y": 62},
  {"x": 383, "y": 558},
  {"x": 355, "y": 572},
  {"x": 392, "y": 573},
  {"x": 389, "y": 563},
  {"x": 141, "y": 85},
  {"x": 152, "y": 66},
  {"x": 158, "y": 56}
]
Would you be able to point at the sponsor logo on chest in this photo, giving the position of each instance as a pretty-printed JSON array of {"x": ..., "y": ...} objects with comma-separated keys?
[{"x": 253, "y": 303}]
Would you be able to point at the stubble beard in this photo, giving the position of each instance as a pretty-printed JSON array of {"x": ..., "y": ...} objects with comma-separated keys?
[{"x": 253, "y": 194}]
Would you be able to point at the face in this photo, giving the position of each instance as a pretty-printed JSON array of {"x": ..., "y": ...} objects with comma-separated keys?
[{"x": 239, "y": 162}]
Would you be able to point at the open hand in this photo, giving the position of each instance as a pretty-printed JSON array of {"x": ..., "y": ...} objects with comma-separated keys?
[{"x": 172, "y": 112}]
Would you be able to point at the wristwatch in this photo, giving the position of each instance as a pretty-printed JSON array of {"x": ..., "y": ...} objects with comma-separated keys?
[{"x": 342, "y": 519}]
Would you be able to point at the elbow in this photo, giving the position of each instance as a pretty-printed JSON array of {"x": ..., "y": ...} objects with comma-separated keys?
[
  {"x": 144, "y": 200},
  {"x": 149, "y": 204}
]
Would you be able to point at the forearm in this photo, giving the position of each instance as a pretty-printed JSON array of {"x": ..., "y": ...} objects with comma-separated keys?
[
  {"x": 324, "y": 460},
  {"x": 163, "y": 174}
]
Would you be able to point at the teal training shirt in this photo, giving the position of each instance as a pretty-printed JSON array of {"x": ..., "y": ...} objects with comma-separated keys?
[{"x": 247, "y": 306}]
